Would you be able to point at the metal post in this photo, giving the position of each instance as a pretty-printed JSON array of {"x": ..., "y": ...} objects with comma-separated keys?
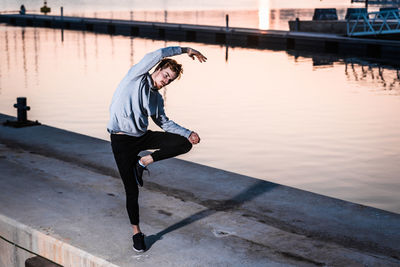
[
  {"x": 22, "y": 117},
  {"x": 22, "y": 109},
  {"x": 366, "y": 5},
  {"x": 227, "y": 21},
  {"x": 297, "y": 25}
]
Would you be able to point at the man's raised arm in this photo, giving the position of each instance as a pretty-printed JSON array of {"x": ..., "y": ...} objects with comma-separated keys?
[{"x": 151, "y": 59}]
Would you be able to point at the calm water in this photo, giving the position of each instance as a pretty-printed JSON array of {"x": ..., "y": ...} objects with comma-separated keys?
[{"x": 324, "y": 124}]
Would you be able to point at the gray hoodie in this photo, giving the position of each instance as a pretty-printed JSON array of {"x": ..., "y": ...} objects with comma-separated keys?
[{"x": 135, "y": 99}]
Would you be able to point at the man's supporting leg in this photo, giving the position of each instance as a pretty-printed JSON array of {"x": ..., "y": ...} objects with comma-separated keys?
[
  {"x": 136, "y": 229},
  {"x": 126, "y": 157},
  {"x": 125, "y": 167}
]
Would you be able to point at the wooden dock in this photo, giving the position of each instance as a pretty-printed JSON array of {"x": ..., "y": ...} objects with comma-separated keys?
[{"x": 234, "y": 37}]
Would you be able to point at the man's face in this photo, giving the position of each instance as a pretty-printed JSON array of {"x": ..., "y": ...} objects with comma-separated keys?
[{"x": 163, "y": 77}]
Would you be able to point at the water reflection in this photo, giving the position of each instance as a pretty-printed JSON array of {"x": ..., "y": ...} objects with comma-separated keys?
[
  {"x": 84, "y": 50},
  {"x": 24, "y": 57},
  {"x": 96, "y": 45},
  {"x": 374, "y": 74},
  {"x": 377, "y": 75},
  {"x": 7, "y": 49},
  {"x": 36, "y": 42},
  {"x": 132, "y": 50},
  {"x": 387, "y": 78},
  {"x": 364, "y": 72}
]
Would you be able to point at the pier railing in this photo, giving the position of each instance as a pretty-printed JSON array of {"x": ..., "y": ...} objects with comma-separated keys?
[{"x": 374, "y": 23}]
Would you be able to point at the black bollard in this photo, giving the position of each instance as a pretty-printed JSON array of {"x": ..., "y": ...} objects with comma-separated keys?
[
  {"x": 45, "y": 9},
  {"x": 22, "y": 108},
  {"x": 22, "y": 115}
]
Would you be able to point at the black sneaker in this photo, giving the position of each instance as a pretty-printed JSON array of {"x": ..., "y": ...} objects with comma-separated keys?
[
  {"x": 138, "y": 242},
  {"x": 139, "y": 173}
]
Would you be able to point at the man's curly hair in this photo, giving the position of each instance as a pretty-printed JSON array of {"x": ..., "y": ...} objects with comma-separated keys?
[{"x": 172, "y": 64}]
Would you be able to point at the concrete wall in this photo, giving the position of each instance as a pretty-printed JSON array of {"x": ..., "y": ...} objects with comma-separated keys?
[
  {"x": 11, "y": 255},
  {"x": 41, "y": 244}
]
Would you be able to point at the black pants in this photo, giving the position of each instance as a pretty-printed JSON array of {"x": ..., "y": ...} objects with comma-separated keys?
[{"x": 126, "y": 149}]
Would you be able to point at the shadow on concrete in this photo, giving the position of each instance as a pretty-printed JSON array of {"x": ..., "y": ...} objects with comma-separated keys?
[{"x": 214, "y": 206}]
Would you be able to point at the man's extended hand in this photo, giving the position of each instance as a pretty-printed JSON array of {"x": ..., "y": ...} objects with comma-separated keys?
[
  {"x": 194, "y": 138},
  {"x": 194, "y": 53}
]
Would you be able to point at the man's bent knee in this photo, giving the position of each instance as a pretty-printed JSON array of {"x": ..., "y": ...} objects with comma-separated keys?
[
  {"x": 186, "y": 146},
  {"x": 182, "y": 145}
]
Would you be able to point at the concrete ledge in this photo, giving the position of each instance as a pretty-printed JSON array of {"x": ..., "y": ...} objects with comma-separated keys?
[
  {"x": 198, "y": 203},
  {"x": 46, "y": 246}
]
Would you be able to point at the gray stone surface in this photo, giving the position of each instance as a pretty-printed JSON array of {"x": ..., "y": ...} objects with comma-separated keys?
[{"x": 64, "y": 185}]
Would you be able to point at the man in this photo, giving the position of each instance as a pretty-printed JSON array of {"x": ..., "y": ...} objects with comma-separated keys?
[
  {"x": 135, "y": 99},
  {"x": 22, "y": 10}
]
